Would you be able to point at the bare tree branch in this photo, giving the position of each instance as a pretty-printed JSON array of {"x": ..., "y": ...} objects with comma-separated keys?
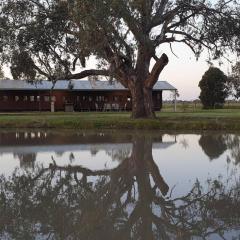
[{"x": 86, "y": 73}]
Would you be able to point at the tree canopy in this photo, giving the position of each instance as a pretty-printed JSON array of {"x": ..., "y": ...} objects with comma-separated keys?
[
  {"x": 214, "y": 88},
  {"x": 54, "y": 38},
  {"x": 234, "y": 81}
]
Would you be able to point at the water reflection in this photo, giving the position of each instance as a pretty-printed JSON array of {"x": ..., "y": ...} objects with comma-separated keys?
[
  {"x": 233, "y": 143},
  {"x": 214, "y": 145},
  {"x": 27, "y": 146},
  {"x": 184, "y": 143},
  {"x": 26, "y": 160},
  {"x": 130, "y": 201}
]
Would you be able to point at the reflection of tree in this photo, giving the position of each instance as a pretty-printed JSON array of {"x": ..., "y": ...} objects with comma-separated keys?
[
  {"x": 119, "y": 154},
  {"x": 184, "y": 143},
  {"x": 233, "y": 144},
  {"x": 59, "y": 153},
  {"x": 71, "y": 157},
  {"x": 93, "y": 151},
  {"x": 127, "y": 202},
  {"x": 213, "y": 145},
  {"x": 26, "y": 160}
]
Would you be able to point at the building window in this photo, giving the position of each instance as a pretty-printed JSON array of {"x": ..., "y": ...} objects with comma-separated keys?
[
  {"x": 5, "y": 98},
  {"x": 100, "y": 98},
  {"x": 17, "y": 98},
  {"x": 32, "y": 98},
  {"x": 46, "y": 98},
  {"x": 84, "y": 98},
  {"x": 78, "y": 98},
  {"x": 25, "y": 98},
  {"x": 53, "y": 98},
  {"x": 64, "y": 99},
  {"x": 115, "y": 98},
  {"x": 38, "y": 98}
]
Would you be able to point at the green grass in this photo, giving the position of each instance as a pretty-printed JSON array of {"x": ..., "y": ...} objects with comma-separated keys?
[{"x": 221, "y": 119}]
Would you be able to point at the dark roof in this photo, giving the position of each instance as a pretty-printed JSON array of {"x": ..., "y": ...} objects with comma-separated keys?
[{"x": 83, "y": 85}]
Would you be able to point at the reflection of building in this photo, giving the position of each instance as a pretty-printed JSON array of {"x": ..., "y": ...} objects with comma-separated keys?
[
  {"x": 26, "y": 160},
  {"x": 71, "y": 96},
  {"x": 26, "y": 145}
]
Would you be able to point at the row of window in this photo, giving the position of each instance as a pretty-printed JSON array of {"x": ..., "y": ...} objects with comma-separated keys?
[
  {"x": 65, "y": 99},
  {"x": 99, "y": 98},
  {"x": 29, "y": 98}
]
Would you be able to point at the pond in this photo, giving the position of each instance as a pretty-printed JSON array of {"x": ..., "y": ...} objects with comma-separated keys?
[{"x": 119, "y": 185}]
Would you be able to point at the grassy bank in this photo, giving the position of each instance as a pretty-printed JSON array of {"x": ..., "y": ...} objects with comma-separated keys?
[{"x": 225, "y": 119}]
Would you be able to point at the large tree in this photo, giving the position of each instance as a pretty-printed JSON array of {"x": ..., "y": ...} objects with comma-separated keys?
[
  {"x": 214, "y": 88},
  {"x": 50, "y": 37}
]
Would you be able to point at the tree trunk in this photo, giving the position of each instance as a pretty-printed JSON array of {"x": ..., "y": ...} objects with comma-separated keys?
[
  {"x": 141, "y": 85},
  {"x": 142, "y": 103}
]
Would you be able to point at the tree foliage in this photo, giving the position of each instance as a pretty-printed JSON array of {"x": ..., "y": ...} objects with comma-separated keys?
[
  {"x": 213, "y": 88},
  {"x": 57, "y": 37},
  {"x": 1, "y": 73},
  {"x": 234, "y": 81},
  {"x": 67, "y": 32}
]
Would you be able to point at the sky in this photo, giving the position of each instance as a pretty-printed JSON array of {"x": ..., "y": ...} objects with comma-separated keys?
[{"x": 184, "y": 72}]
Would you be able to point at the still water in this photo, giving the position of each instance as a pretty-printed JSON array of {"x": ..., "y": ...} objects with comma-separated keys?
[{"x": 119, "y": 185}]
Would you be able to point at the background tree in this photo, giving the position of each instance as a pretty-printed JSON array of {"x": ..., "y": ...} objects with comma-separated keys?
[
  {"x": 234, "y": 81},
  {"x": 213, "y": 88},
  {"x": 52, "y": 37}
]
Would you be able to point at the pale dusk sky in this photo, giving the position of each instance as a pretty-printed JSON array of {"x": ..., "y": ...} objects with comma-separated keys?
[{"x": 185, "y": 72}]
